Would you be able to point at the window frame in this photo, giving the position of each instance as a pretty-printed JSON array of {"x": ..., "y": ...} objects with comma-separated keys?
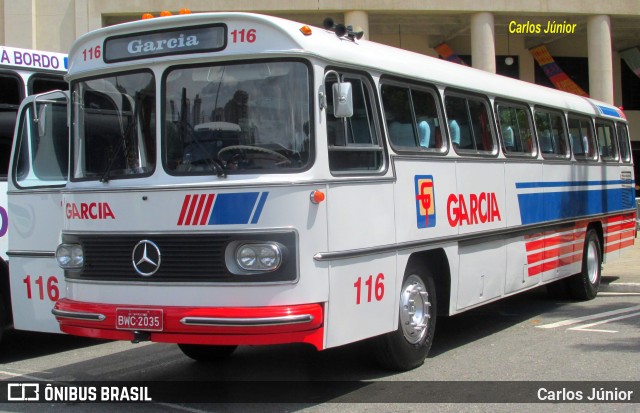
[
  {"x": 567, "y": 144},
  {"x": 491, "y": 122},
  {"x": 627, "y": 143},
  {"x": 594, "y": 141},
  {"x": 422, "y": 87},
  {"x": 614, "y": 140},
  {"x": 376, "y": 108},
  {"x": 534, "y": 138}
]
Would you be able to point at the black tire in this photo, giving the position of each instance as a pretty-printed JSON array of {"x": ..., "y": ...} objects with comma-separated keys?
[
  {"x": 407, "y": 347},
  {"x": 584, "y": 286},
  {"x": 206, "y": 353}
]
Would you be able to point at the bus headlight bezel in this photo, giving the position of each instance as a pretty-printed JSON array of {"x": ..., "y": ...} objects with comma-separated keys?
[{"x": 70, "y": 256}]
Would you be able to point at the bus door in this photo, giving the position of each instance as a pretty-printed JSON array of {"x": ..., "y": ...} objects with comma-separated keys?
[{"x": 37, "y": 173}]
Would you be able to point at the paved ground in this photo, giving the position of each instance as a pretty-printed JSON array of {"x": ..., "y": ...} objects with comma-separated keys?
[{"x": 623, "y": 274}]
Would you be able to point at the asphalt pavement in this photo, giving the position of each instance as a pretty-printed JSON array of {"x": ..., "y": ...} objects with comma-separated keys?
[{"x": 623, "y": 274}]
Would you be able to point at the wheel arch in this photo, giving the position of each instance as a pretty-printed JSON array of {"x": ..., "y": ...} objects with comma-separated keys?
[{"x": 436, "y": 260}]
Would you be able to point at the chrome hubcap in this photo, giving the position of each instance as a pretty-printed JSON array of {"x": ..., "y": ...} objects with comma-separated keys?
[
  {"x": 414, "y": 309},
  {"x": 592, "y": 262}
]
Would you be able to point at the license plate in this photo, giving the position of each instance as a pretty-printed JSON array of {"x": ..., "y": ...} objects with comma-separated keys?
[{"x": 145, "y": 319}]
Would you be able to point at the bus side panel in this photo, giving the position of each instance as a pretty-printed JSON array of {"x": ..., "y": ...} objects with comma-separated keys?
[
  {"x": 362, "y": 299},
  {"x": 362, "y": 292},
  {"x": 522, "y": 252},
  {"x": 37, "y": 281}
]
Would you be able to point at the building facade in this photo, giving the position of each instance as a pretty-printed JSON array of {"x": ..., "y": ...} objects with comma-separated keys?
[{"x": 585, "y": 37}]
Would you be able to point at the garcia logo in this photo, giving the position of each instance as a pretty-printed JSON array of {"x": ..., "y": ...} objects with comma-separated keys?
[
  {"x": 92, "y": 211},
  {"x": 425, "y": 201},
  {"x": 472, "y": 209},
  {"x": 139, "y": 46}
]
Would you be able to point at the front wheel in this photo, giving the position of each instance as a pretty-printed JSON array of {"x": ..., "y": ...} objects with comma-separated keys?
[
  {"x": 205, "y": 353},
  {"x": 407, "y": 347},
  {"x": 585, "y": 285}
]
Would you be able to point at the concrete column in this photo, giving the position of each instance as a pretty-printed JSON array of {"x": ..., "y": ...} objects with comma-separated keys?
[
  {"x": 483, "y": 47},
  {"x": 20, "y": 24},
  {"x": 358, "y": 19},
  {"x": 600, "y": 58}
]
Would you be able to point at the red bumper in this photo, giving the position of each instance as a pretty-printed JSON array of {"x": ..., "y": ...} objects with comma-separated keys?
[{"x": 189, "y": 325}]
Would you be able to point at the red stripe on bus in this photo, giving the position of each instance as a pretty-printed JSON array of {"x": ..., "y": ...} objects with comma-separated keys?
[
  {"x": 207, "y": 209},
  {"x": 185, "y": 204}
]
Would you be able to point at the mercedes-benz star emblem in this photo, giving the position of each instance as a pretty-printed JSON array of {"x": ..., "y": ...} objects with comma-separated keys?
[{"x": 146, "y": 258}]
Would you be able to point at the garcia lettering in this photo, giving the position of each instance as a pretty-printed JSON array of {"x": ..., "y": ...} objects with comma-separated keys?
[
  {"x": 91, "y": 211},
  {"x": 139, "y": 46},
  {"x": 472, "y": 209}
]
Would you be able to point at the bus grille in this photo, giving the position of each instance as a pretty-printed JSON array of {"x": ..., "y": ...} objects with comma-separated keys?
[{"x": 188, "y": 257}]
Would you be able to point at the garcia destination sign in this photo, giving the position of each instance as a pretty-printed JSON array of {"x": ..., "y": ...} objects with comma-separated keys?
[{"x": 195, "y": 39}]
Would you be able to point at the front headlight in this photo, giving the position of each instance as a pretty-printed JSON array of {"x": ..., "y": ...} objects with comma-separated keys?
[
  {"x": 70, "y": 256},
  {"x": 259, "y": 257}
]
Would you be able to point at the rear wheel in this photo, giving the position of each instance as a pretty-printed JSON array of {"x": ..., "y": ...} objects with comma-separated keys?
[
  {"x": 207, "y": 353},
  {"x": 407, "y": 347},
  {"x": 585, "y": 285}
]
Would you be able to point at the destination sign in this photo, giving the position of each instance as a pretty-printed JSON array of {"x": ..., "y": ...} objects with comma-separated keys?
[{"x": 196, "y": 39}]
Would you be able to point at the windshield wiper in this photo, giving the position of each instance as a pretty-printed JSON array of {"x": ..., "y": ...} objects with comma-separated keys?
[{"x": 123, "y": 141}]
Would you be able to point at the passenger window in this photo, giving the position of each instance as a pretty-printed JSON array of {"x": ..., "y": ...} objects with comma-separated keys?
[
  {"x": 606, "y": 140},
  {"x": 552, "y": 135},
  {"x": 412, "y": 118},
  {"x": 469, "y": 124},
  {"x": 42, "y": 150},
  {"x": 582, "y": 138},
  {"x": 10, "y": 97},
  {"x": 515, "y": 129},
  {"x": 354, "y": 145},
  {"x": 623, "y": 142},
  {"x": 40, "y": 84}
]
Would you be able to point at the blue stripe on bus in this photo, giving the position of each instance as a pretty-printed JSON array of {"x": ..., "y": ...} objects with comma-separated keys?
[
  {"x": 550, "y": 206},
  {"x": 605, "y": 110},
  {"x": 233, "y": 208}
]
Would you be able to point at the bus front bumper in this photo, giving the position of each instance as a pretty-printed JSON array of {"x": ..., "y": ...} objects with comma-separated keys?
[{"x": 194, "y": 325}]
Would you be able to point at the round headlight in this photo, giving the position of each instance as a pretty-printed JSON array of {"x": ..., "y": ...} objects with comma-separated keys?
[
  {"x": 70, "y": 256},
  {"x": 259, "y": 257},
  {"x": 246, "y": 257}
]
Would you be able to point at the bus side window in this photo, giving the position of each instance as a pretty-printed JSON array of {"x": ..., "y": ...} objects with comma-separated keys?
[
  {"x": 623, "y": 142},
  {"x": 42, "y": 150},
  {"x": 469, "y": 124},
  {"x": 552, "y": 133},
  {"x": 582, "y": 138},
  {"x": 10, "y": 97},
  {"x": 606, "y": 140},
  {"x": 515, "y": 128},
  {"x": 412, "y": 117},
  {"x": 354, "y": 143}
]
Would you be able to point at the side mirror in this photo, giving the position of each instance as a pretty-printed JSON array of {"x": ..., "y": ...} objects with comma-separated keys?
[
  {"x": 342, "y": 96},
  {"x": 342, "y": 100}
]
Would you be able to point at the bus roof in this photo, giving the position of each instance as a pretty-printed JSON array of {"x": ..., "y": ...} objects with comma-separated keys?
[
  {"x": 276, "y": 36},
  {"x": 37, "y": 60}
]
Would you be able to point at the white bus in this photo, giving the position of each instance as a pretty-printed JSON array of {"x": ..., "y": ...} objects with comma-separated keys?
[
  {"x": 238, "y": 179},
  {"x": 23, "y": 72}
]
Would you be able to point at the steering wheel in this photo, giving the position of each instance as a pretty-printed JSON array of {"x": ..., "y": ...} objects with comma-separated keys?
[{"x": 282, "y": 159}]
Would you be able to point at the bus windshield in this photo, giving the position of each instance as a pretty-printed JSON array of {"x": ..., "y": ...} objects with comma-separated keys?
[
  {"x": 114, "y": 127},
  {"x": 249, "y": 117}
]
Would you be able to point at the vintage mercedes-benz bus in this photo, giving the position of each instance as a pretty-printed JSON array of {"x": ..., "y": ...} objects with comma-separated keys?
[{"x": 239, "y": 179}]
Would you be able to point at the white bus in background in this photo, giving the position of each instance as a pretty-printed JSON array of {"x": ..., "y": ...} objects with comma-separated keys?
[
  {"x": 23, "y": 72},
  {"x": 239, "y": 179}
]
